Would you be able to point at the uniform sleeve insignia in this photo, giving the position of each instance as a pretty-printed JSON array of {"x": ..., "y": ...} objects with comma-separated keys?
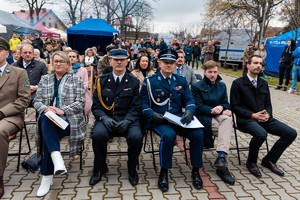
[{"x": 27, "y": 83}]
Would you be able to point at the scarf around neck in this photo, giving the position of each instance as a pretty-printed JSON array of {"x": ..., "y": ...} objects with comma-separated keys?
[{"x": 76, "y": 67}]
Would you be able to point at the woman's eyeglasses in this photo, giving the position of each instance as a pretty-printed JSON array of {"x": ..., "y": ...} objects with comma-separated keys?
[{"x": 59, "y": 61}]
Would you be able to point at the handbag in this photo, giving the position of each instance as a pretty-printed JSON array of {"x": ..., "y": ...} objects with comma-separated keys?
[{"x": 32, "y": 163}]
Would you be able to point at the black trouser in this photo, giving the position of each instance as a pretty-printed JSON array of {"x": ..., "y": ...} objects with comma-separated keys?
[
  {"x": 100, "y": 136},
  {"x": 283, "y": 68},
  {"x": 259, "y": 132}
]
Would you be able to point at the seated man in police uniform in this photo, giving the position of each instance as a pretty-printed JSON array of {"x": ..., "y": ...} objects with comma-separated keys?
[
  {"x": 116, "y": 106},
  {"x": 165, "y": 91}
]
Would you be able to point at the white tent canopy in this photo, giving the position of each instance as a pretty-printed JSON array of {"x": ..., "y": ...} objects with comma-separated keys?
[
  {"x": 2, "y": 29},
  {"x": 62, "y": 33}
]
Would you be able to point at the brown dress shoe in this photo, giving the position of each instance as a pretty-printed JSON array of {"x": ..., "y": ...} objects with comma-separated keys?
[
  {"x": 1, "y": 187},
  {"x": 253, "y": 169},
  {"x": 272, "y": 166}
]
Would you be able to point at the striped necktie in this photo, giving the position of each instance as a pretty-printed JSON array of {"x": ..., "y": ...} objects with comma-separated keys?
[{"x": 254, "y": 83}]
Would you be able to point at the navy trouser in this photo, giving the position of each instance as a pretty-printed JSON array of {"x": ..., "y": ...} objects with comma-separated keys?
[
  {"x": 51, "y": 136},
  {"x": 167, "y": 133},
  {"x": 259, "y": 131},
  {"x": 100, "y": 136}
]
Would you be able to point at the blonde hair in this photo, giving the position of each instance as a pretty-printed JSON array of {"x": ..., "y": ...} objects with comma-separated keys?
[
  {"x": 89, "y": 49},
  {"x": 65, "y": 57}
]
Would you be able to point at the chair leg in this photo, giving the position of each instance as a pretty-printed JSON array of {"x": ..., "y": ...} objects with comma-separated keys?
[
  {"x": 152, "y": 150},
  {"x": 237, "y": 145},
  {"x": 80, "y": 157},
  {"x": 27, "y": 138},
  {"x": 267, "y": 145},
  {"x": 20, "y": 150},
  {"x": 185, "y": 150}
]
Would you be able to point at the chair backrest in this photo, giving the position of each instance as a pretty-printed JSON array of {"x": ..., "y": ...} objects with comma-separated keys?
[{"x": 90, "y": 71}]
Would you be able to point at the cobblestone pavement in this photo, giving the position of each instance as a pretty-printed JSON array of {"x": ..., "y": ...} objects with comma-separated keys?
[{"x": 115, "y": 185}]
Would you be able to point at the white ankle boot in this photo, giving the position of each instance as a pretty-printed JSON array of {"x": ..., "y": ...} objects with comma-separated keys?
[
  {"x": 58, "y": 162},
  {"x": 44, "y": 188}
]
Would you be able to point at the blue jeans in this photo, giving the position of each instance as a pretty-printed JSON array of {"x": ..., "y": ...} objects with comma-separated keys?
[
  {"x": 295, "y": 76},
  {"x": 195, "y": 58},
  {"x": 167, "y": 133}
]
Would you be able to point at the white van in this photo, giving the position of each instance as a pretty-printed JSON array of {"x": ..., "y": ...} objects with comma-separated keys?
[{"x": 238, "y": 42}]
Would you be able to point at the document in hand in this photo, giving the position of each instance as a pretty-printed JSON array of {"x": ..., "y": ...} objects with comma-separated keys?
[
  {"x": 176, "y": 120},
  {"x": 57, "y": 120}
]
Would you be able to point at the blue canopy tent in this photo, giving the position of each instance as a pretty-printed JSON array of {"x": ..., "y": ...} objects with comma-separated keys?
[
  {"x": 90, "y": 32},
  {"x": 275, "y": 47}
]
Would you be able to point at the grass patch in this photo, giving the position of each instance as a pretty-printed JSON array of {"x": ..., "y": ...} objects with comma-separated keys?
[{"x": 273, "y": 81}]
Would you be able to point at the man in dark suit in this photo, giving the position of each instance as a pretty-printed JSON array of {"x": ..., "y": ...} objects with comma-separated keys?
[
  {"x": 14, "y": 98},
  {"x": 162, "y": 92},
  {"x": 116, "y": 105},
  {"x": 251, "y": 102},
  {"x": 35, "y": 69}
]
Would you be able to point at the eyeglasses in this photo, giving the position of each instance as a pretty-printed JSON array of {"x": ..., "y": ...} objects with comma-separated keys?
[{"x": 59, "y": 61}]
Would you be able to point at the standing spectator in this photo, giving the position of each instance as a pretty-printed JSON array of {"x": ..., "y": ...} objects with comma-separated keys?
[
  {"x": 14, "y": 41},
  {"x": 196, "y": 55},
  {"x": 14, "y": 98},
  {"x": 261, "y": 51},
  {"x": 90, "y": 58},
  {"x": 153, "y": 44},
  {"x": 285, "y": 64},
  {"x": 136, "y": 48},
  {"x": 209, "y": 51},
  {"x": 248, "y": 52},
  {"x": 295, "y": 70},
  {"x": 162, "y": 44},
  {"x": 48, "y": 52},
  {"x": 188, "y": 53},
  {"x": 35, "y": 69},
  {"x": 38, "y": 43},
  {"x": 61, "y": 92},
  {"x": 183, "y": 70},
  {"x": 251, "y": 103}
]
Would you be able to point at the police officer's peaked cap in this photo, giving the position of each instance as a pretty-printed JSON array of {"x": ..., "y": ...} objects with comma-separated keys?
[
  {"x": 168, "y": 55},
  {"x": 118, "y": 53},
  {"x": 4, "y": 44}
]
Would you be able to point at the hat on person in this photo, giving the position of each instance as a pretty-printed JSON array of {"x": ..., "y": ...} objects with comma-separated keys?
[
  {"x": 4, "y": 44},
  {"x": 168, "y": 55},
  {"x": 143, "y": 50},
  {"x": 109, "y": 47},
  {"x": 118, "y": 53}
]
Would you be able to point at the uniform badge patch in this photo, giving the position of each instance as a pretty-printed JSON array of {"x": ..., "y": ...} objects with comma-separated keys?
[
  {"x": 27, "y": 83},
  {"x": 178, "y": 87}
]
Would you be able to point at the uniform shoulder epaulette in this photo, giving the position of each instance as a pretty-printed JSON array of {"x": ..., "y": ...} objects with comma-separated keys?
[{"x": 152, "y": 75}]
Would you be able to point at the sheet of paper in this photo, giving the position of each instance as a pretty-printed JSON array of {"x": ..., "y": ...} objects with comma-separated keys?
[
  {"x": 57, "y": 120},
  {"x": 176, "y": 120}
]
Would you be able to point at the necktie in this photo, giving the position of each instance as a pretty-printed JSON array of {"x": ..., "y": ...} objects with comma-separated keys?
[
  {"x": 178, "y": 71},
  {"x": 0, "y": 73},
  {"x": 117, "y": 82},
  {"x": 168, "y": 80},
  {"x": 254, "y": 82}
]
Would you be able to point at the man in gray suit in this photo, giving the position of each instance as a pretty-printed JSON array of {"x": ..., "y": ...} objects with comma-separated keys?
[
  {"x": 184, "y": 70},
  {"x": 14, "y": 98}
]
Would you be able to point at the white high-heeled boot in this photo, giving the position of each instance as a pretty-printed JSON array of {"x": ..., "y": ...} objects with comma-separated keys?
[
  {"x": 58, "y": 162},
  {"x": 44, "y": 188}
]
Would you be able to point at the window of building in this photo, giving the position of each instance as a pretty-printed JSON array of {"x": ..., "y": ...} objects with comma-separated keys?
[
  {"x": 50, "y": 25},
  {"x": 44, "y": 23},
  {"x": 55, "y": 25}
]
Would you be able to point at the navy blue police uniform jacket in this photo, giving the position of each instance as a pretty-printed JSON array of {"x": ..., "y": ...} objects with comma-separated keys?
[
  {"x": 126, "y": 98},
  {"x": 161, "y": 95}
]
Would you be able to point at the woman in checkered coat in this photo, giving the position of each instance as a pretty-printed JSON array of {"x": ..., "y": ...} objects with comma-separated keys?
[{"x": 61, "y": 92}]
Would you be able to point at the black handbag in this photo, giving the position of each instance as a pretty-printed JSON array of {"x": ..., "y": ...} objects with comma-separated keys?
[{"x": 32, "y": 163}]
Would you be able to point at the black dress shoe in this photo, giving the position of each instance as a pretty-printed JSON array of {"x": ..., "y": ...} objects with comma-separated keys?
[
  {"x": 197, "y": 181},
  {"x": 272, "y": 166},
  {"x": 133, "y": 177},
  {"x": 253, "y": 169},
  {"x": 221, "y": 164},
  {"x": 163, "y": 182},
  {"x": 225, "y": 176},
  {"x": 96, "y": 177}
]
